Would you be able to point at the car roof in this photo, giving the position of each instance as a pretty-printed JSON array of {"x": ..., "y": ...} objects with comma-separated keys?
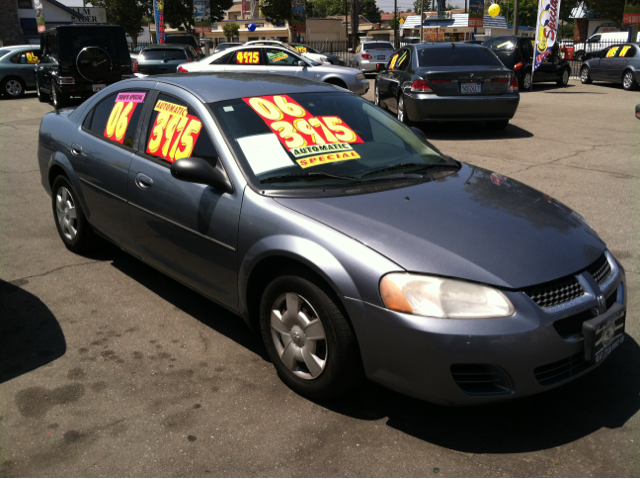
[
  {"x": 425, "y": 46},
  {"x": 220, "y": 86},
  {"x": 167, "y": 46},
  {"x": 18, "y": 47}
]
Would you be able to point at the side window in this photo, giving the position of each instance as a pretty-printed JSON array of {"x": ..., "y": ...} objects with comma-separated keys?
[
  {"x": 393, "y": 63},
  {"x": 15, "y": 58},
  {"x": 116, "y": 117},
  {"x": 358, "y": 48},
  {"x": 613, "y": 51},
  {"x": 527, "y": 49},
  {"x": 32, "y": 57},
  {"x": 52, "y": 44},
  {"x": 279, "y": 57},
  {"x": 627, "y": 52},
  {"x": 594, "y": 39},
  {"x": 404, "y": 60},
  {"x": 175, "y": 132},
  {"x": 245, "y": 57},
  {"x": 224, "y": 59}
]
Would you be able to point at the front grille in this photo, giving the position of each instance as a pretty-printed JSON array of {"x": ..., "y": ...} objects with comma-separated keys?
[
  {"x": 571, "y": 327},
  {"x": 555, "y": 372},
  {"x": 555, "y": 292},
  {"x": 481, "y": 379},
  {"x": 600, "y": 270}
]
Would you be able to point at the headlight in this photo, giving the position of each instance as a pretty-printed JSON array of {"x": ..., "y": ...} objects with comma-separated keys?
[
  {"x": 442, "y": 298},
  {"x": 360, "y": 76}
]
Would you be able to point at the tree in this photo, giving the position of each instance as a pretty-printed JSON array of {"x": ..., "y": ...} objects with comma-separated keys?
[
  {"x": 179, "y": 13},
  {"x": 370, "y": 11},
  {"x": 278, "y": 11},
  {"x": 609, "y": 9},
  {"x": 126, "y": 13},
  {"x": 219, "y": 9},
  {"x": 325, "y": 8},
  {"x": 527, "y": 12},
  {"x": 10, "y": 30},
  {"x": 230, "y": 30},
  {"x": 393, "y": 21}
]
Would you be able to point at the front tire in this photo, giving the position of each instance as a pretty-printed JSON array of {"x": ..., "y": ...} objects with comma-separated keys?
[
  {"x": 402, "y": 114},
  {"x": 71, "y": 223},
  {"x": 12, "y": 87},
  {"x": 629, "y": 82},
  {"x": 585, "y": 76},
  {"x": 564, "y": 81},
  {"x": 309, "y": 341},
  {"x": 376, "y": 99},
  {"x": 526, "y": 82}
]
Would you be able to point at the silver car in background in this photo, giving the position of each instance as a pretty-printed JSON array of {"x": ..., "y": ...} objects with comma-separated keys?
[
  {"x": 372, "y": 56},
  {"x": 275, "y": 59}
]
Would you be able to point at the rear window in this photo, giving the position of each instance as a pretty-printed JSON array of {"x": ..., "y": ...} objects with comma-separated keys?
[
  {"x": 181, "y": 39},
  {"x": 377, "y": 46},
  {"x": 72, "y": 40},
  {"x": 457, "y": 56},
  {"x": 116, "y": 117},
  {"x": 501, "y": 44},
  {"x": 168, "y": 54}
]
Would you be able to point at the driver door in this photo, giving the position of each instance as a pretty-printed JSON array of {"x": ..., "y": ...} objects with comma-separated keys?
[{"x": 285, "y": 63}]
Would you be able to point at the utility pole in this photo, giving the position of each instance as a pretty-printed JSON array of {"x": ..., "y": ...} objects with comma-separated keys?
[
  {"x": 421, "y": 21},
  {"x": 516, "y": 7},
  {"x": 395, "y": 23},
  {"x": 466, "y": 6}
]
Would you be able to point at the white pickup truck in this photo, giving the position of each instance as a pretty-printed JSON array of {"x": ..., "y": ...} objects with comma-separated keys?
[{"x": 597, "y": 42}]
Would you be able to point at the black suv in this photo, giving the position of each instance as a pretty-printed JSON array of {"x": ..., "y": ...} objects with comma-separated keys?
[{"x": 79, "y": 60}]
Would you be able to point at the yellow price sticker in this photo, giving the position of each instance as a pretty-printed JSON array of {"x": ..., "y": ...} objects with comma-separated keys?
[{"x": 612, "y": 52}]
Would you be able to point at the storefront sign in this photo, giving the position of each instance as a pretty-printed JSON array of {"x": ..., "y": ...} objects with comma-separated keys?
[
  {"x": 631, "y": 12},
  {"x": 90, "y": 15},
  {"x": 476, "y": 13}
]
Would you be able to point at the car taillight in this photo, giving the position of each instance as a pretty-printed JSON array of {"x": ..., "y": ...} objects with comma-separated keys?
[
  {"x": 513, "y": 86},
  {"x": 135, "y": 67},
  {"x": 189, "y": 60},
  {"x": 182, "y": 70},
  {"x": 366, "y": 56},
  {"x": 518, "y": 66},
  {"x": 420, "y": 86}
]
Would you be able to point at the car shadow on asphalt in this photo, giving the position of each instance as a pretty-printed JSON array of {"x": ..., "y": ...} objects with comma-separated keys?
[
  {"x": 471, "y": 131},
  {"x": 604, "y": 398},
  {"x": 192, "y": 303},
  {"x": 30, "y": 335}
]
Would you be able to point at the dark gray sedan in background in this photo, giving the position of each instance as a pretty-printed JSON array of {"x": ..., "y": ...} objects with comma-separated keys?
[
  {"x": 161, "y": 59},
  {"x": 448, "y": 82},
  {"x": 616, "y": 64},
  {"x": 351, "y": 243}
]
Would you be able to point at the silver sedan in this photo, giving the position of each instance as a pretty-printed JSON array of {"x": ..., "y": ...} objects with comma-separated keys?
[{"x": 275, "y": 59}]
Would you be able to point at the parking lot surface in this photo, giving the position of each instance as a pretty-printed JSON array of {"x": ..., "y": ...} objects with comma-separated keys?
[{"x": 108, "y": 368}]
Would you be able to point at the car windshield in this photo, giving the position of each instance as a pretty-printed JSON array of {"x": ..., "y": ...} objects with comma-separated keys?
[
  {"x": 377, "y": 46},
  {"x": 164, "y": 54},
  {"x": 453, "y": 56},
  {"x": 501, "y": 44},
  {"x": 320, "y": 139}
]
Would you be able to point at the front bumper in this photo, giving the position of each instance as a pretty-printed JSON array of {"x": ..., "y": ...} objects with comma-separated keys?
[
  {"x": 433, "y": 359},
  {"x": 430, "y": 107}
]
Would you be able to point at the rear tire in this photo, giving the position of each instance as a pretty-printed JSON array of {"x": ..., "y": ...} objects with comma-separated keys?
[
  {"x": 526, "y": 82},
  {"x": 376, "y": 98},
  {"x": 402, "y": 114},
  {"x": 12, "y": 87},
  {"x": 497, "y": 124},
  {"x": 629, "y": 82},
  {"x": 71, "y": 223},
  {"x": 585, "y": 76},
  {"x": 564, "y": 81},
  {"x": 312, "y": 348}
]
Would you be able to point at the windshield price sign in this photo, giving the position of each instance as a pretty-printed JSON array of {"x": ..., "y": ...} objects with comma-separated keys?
[{"x": 301, "y": 133}]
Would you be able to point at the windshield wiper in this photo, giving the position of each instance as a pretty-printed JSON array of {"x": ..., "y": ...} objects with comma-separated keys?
[
  {"x": 412, "y": 165},
  {"x": 306, "y": 176}
]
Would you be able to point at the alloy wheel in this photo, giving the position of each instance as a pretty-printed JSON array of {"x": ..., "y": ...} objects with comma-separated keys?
[
  {"x": 66, "y": 213},
  {"x": 376, "y": 100},
  {"x": 584, "y": 75},
  {"x": 401, "y": 109},
  {"x": 565, "y": 77},
  {"x": 298, "y": 336},
  {"x": 526, "y": 81},
  {"x": 627, "y": 81},
  {"x": 13, "y": 88}
]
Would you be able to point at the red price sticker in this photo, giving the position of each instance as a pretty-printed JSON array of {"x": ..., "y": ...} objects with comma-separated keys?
[
  {"x": 174, "y": 133},
  {"x": 249, "y": 58},
  {"x": 301, "y": 133}
]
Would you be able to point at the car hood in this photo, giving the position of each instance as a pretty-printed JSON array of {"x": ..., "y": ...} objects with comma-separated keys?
[{"x": 473, "y": 224}]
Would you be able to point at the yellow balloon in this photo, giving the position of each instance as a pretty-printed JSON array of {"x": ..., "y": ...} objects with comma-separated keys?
[{"x": 494, "y": 10}]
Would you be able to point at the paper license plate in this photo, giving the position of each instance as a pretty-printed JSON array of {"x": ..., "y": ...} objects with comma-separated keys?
[
  {"x": 98, "y": 87},
  {"x": 471, "y": 87},
  {"x": 380, "y": 57},
  {"x": 603, "y": 336}
]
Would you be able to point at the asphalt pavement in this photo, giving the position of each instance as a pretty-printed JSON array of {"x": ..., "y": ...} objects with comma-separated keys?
[{"x": 108, "y": 368}]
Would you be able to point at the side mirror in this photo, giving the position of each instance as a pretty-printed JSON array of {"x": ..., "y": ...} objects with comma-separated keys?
[
  {"x": 199, "y": 170},
  {"x": 302, "y": 63}
]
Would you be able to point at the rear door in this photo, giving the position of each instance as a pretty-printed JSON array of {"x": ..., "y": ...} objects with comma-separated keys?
[
  {"x": 285, "y": 63},
  {"x": 101, "y": 151},
  {"x": 609, "y": 63}
]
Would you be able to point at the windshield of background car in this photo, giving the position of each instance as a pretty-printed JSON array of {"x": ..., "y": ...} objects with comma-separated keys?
[
  {"x": 501, "y": 44},
  {"x": 162, "y": 54},
  {"x": 457, "y": 56},
  {"x": 312, "y": 139},
  {"x": 377, "y": 46},
  {"x": 73, "y": 40}
]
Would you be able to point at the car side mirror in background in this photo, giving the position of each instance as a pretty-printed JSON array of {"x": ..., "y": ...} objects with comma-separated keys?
[
  {"x": 199, "y": 170},
  {"x": 638, "y": 112},
  {"x": 302, "y": 63}
]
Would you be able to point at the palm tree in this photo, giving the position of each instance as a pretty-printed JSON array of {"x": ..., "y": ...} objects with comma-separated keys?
[{"x": 10, "y": 31}]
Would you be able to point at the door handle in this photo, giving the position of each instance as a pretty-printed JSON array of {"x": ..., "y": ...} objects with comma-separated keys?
[
  {"x": 143, "y": 181},
  {"x": 76, "y": 149}
]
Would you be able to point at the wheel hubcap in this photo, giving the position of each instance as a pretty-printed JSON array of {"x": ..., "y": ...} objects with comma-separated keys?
[
  {"x": 527, "y": 82},
  {"x": 627, "y": 80},
  {"x": 13, "y": 88},
  {"x": 585, "y": 74},
  {"x": 66, "y": 213},
  {"x": 401, "y": 109},
  {"x": 377, "y": 97},
  {"x": 298, "y": 336}
]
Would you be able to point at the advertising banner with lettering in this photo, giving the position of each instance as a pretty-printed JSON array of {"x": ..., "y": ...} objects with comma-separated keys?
[
  {"x": 202, "y": 15},
  {"x": 90, "y": 15},
  {"x": 299, "y": 16},
  {"x": 39, "y": 14},
  {"x": 158, "y": 12},
  {"x": 546, "y": 30},
  {"x": 476, "y": 13},
  {"x": 631, "y": 12}
]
